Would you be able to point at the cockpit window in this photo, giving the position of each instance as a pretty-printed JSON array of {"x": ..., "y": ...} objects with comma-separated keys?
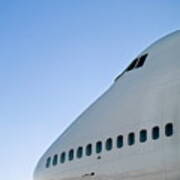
[
  {"x": 132, "y": 65},
  {"x": 141, "y": 61},
  {"x": 137, "y": 63}
]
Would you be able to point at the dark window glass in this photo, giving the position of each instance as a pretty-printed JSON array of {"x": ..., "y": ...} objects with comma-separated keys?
[
  {"x": 131, "y": 139},
  {"x": 109, "y": 144},
  {"x": 141, "y": 61},
  {"x": 98, "y": 147},
  {"x": 120, "y": 141},
  {"x": 63, "y": 157},
  {"x": 155, "y": 133},
  {"x": 71, "y": 155},
  {"x": 169, "y": 129},
  {"x": 132, "y": 65},
  {"x": 79, "y": 152},
  {"x": 48, "y": 162},
  {"x": 88, "y": 149},
  {"x": 143, "y": 135},
  {"x": 55, "y": 160}
]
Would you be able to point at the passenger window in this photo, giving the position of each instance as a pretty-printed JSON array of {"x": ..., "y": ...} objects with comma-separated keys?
[
  {"x": 155, "y": 133},
  {"x": 131, "y": 139},
  {"x": 141, "y": 61},
  {"x": 48, "y": 162},
  {"x": 120, "y": 141},
  {"x": 132, "y": 65},
  {"x": 143, "y": 136},
  {"x": 63, "y": 157},
  {"x": 55, "y": 160},
  {"x": 109, "y": 144},
  {"x": 99, "y": 147},
  {"x": 71, "y": 155},
  {"x": 169, "y": 129},
  {"x": 79, "y": 152},
  {"x": 88, "y": 149}
]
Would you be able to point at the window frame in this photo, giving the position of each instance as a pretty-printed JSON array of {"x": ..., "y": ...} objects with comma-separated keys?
[
  {"x": 55, "y": 160},
  {"x": 141, "y": 138},
  {"x": 119, "y": 141},
  {"x": 63, "y": 157},
  {"x": 169, "y": 130},
  {"x": 71, "y": 155},
  {"x": 89, "y": 149},
  {"x": 141, "y": 61},
  {"x": 132, "y": 65},
  {"x": 109, "y": 144},
  {"x": 48, "y": 162},
  {"x": 131, "y": 139},
  {"x": 155, "y": 133},
  {"x": 99, "y": 147},
  {"x": 79, "y": 153}
]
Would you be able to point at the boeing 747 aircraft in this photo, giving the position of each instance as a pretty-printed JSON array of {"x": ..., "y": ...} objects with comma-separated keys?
[{"x": 132, "y": 132}]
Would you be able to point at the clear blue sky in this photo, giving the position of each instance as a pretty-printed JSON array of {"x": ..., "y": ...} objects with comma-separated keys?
[{"x": 57, "y": 57}]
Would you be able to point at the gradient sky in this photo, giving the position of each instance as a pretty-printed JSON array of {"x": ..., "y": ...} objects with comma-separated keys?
[{"x": 57, "y": 57}]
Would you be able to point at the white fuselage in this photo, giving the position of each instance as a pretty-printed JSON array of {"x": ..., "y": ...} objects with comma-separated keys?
[{"x": 140, "y": 99}]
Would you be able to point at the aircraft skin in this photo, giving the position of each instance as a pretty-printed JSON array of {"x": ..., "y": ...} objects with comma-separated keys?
[{"x": 142, "y": 98}]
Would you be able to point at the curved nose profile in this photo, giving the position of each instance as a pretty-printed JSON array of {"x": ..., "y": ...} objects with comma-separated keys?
[
  {"x": 37, "y": 174},
  {"x": 132, "y": 132}
]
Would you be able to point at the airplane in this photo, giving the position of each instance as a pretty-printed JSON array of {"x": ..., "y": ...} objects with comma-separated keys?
[{"x": 132, "y": 132}]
